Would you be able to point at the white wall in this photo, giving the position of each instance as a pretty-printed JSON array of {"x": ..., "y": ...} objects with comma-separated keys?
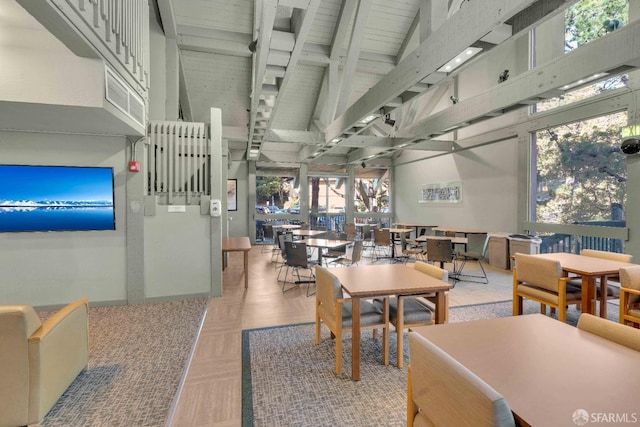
[
  {"x": 27, "y": 49},
  {"x": 177, "y": 253},
  {"x": 41, "y": 268},
  {"x": 489, "y": 189}
]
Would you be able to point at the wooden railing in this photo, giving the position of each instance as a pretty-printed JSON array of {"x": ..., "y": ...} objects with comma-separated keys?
[{"x": 177, "y": 161}]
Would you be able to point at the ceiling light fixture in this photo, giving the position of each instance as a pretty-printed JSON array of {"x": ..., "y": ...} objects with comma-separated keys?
[
  {"x": 460, "y": 59},
  {"x": 583, "y": 81},
  {"x": 368, "y": 119},
  {"x": 336, "y": 140}
]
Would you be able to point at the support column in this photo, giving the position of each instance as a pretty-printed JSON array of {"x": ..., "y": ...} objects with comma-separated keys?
[{"x": 218, "y": 192}]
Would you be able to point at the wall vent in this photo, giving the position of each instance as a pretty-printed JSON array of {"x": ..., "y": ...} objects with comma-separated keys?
[{"x": 123, "y": 97}]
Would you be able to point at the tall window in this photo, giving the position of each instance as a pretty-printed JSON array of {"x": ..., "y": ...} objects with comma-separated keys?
[
  {"x": 585, "y": 21},
  {"x": 581, "y": 172},
  {"x": 373, "y": 191}
]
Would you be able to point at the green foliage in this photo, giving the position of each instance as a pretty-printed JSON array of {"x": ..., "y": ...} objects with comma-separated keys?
[
  {"x": 581, "y": 170},
  {"x": 589, "y": 19}
]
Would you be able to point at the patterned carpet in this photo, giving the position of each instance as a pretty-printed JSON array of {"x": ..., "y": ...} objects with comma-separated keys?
[
  {"x": 137, "y": 355},
  {"x": 288, "y": 381}
]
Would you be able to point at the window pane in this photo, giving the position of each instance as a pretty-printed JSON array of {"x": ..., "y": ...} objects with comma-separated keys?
[
  {"x": 581, "y": 172},
  {"x": 372, "y": 193},
  {"x": 588, "y": 20}
]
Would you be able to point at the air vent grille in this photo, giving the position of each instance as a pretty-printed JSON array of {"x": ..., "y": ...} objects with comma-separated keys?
[{"x": 123, "y": 98}]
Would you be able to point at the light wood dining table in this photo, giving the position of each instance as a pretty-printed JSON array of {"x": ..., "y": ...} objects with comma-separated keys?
[
  {"x": 237, "y": 244},
  {"x": 588, "y": 268},
  {"x": 307, "y": 233},
  {"x": 374, "y": 281},
  {"x": 546, "y": 370}
]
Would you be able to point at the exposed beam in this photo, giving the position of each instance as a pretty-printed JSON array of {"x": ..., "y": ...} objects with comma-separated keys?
[
  {"x": 411, "y": 40},
  {"x": 168, "y": 17},
  {"x": 300, "y": 137},
  {"x": 477, "y": 19},
  {"x": 213, "y": 41},
  {"x": 353, "y": 52},
  {"x": 303, "y": 25},
  {"x": 267, "y": 18},
  {"x": 600, "y": 56}
]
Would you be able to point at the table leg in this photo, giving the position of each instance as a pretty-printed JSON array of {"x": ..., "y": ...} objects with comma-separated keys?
[
  {"x": 441, "y": 307},
  {"x": 400, "y": 329},
  {"x": 355, "y": 337},
  {"x": 246, "y": 269},
  {"x": 588, "y": 291}
]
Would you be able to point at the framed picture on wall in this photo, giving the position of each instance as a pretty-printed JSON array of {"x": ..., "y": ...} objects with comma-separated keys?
[{"x": 232, "y": 194}]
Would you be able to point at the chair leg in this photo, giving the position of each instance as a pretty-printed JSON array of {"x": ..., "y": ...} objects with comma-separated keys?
[{"x": 338, "y": 354}]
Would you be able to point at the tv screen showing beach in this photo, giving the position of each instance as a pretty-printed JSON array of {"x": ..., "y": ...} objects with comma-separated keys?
[{"x": 56, "y": 198}]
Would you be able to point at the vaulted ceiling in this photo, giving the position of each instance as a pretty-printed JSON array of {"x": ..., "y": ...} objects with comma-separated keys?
[{"x": 333, "y": 82}]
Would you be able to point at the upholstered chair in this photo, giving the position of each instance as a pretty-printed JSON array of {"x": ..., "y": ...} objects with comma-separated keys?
[
  {"x": 630, "y": 295},
  {"x": 540, "y": 279},
  {"x": 415, "y": 309},
  {"x": 442, "y": 392},
  {"x": 612, "y": 331},
  {"x": 335, "y": 312},
  {"x": 39, "y": 360}
]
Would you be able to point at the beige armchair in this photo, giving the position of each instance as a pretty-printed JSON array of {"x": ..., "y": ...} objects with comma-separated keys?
[
  {"x": 38, "y": 361},
  {"x": 415, "y": 310},
  {"x": 335, "y": 312},
  {"x": 630, "y": 295},
  {"x": 541, "y": 280},
  {"x": 612, "y": 331},
  {"x": 442, "y": 392}
]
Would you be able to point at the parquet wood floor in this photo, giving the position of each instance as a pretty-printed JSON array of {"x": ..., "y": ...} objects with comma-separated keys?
[{"x": 211, "y": 394}]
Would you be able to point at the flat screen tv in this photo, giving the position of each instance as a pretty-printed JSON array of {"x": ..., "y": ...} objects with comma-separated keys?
[{"x": 56, "y": 198}]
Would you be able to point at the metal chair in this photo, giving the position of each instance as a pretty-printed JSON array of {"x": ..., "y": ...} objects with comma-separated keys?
[
  {"x": 441, "y": 251},
  {"x": 296, "y": 259},
  {"x": 463, "y": 257},
  {"x": 381, "y": 243},
  {"x": 267, "y": 234},
  {"x": 356, "y": 255}
]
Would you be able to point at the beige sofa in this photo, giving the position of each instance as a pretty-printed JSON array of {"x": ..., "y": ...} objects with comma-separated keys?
[{"x": 39, "y": 360}]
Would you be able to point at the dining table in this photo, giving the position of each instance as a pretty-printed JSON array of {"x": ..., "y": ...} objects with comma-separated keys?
[
  {"x": 588, "y": 268},
  {"x": 415, "y": 225},
  {"x": 237, "y": 244},
  {"x": 383, "y": 281},
  {"x": 549, "y": 372},
  {"x": 321, "y": 244},
  {"x": 303, "y": 232}
]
